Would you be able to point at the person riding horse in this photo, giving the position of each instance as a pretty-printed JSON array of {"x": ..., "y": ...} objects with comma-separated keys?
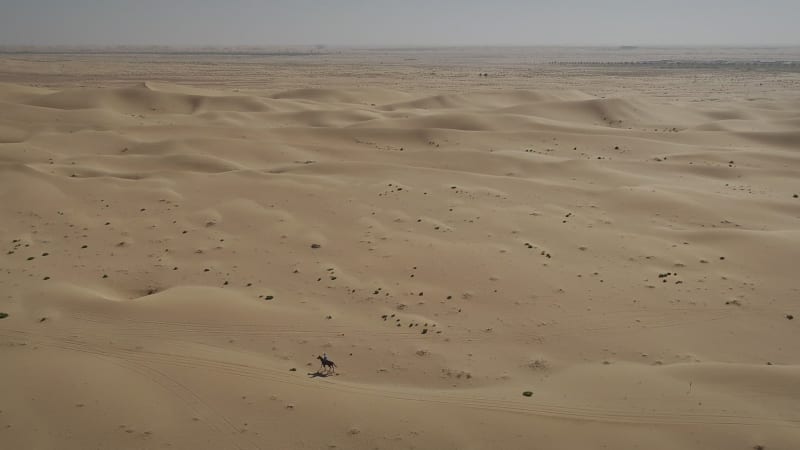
[{"x": 327, "y": 364}]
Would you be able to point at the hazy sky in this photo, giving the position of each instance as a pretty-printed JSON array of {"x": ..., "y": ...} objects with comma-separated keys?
[{"x": 399, "y": 22}]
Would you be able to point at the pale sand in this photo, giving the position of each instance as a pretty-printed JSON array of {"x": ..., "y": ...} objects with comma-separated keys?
[{"x": 630, "y": 260}]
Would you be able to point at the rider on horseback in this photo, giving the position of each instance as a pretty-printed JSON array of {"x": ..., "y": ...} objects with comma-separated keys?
[{"x": 327, "y": 364}]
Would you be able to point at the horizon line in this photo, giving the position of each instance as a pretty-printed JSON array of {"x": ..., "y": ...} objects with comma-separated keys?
[{"x": 321, "y": 46}]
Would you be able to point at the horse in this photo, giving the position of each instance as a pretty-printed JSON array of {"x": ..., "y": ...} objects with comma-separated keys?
[{"x": 327, "y": 364}]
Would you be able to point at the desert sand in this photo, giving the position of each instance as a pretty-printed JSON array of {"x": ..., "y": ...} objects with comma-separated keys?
[{"x": 182, "y": 235}]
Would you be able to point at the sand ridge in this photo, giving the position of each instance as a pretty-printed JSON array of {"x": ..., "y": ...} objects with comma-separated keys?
[{"x": 175, "y": 257}]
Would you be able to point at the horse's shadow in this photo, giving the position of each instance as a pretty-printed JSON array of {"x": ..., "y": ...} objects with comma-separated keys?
[{"x": 319, "y": 374}]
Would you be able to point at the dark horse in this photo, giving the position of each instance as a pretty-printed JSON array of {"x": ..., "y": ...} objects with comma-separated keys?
[{"x": 327, "y": 364}]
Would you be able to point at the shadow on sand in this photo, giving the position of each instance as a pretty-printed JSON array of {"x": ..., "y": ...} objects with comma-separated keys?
[{"x": 319, "y": 374}]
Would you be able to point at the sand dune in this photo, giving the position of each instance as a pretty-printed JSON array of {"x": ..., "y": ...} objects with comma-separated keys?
[{"x": 174, "y": 258}]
